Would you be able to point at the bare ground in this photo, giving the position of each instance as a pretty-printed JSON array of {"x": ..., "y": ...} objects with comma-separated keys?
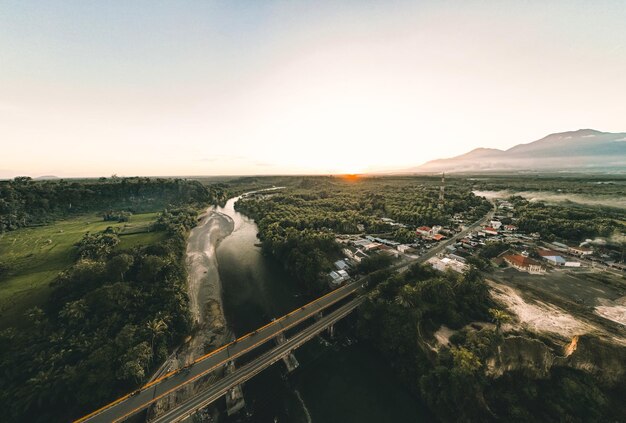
[{"x": 543, "y": 317}]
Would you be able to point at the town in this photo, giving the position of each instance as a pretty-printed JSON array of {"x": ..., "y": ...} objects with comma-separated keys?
[{"x": 500, "y": 242}]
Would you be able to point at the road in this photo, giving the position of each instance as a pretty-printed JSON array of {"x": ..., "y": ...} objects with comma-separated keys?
[
  {"x": 158, "y": 388},
  {"x": 141, "y": 399},
  {"x": 249, "y": 370}
]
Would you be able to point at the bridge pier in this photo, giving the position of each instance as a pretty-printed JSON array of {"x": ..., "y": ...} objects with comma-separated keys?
[
  {"x": 331, "y": 331},
  {"x": 290, "y": 360},
  {"x": 234, "y": 398}
]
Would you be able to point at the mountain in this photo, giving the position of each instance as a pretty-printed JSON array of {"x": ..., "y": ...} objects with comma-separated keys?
[
  {"x": 46, "y": 178},
  {"x": 585, "y": 149}
]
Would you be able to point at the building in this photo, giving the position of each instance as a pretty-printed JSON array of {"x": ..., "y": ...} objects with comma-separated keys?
[
  {"x": 365, "y": 244},
  {"x": 442, "y": 264},
  {"x": 495, "y": 224},
  {"x": 403, "y": 248},
  {"x": 438, "y": 237},
  {"x": 424, "y": 231},
  {"x": 510, "y": 228},
  {"x": 490, "y": 231},
  {"x": 337, "y": 278},
  {"x": 524, "y": 264},
  {"x": 341, "y": 265},
  {"x": 552, "y": 257},
  {"x": 580, "y": 251}
]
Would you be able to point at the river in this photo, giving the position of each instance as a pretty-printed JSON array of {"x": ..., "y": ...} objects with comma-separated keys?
[{"x": 337, "y": 381}]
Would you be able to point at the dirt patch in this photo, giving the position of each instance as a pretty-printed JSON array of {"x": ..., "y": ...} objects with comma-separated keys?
[
  {"x": 443, "y": 335},
  {"x": 612, "y": 310},
  {"x": 539, "y": 316}
]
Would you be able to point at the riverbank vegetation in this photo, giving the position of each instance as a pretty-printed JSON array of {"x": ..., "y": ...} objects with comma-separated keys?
[
  {"x": 298, "y": 225},
  {"x": 115, "y": 307}
]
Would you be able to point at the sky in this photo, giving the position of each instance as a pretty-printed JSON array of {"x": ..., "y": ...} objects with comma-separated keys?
[{"x": 149, "y": 87}]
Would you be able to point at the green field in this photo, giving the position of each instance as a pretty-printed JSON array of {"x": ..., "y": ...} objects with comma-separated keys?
[{"x": 36, "y": 255}]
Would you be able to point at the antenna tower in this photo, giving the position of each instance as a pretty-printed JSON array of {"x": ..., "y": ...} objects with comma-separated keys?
[{"x": 442, "y": 191}]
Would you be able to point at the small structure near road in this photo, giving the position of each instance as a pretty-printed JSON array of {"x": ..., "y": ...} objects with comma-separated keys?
[{"x": 338, "y": 277}]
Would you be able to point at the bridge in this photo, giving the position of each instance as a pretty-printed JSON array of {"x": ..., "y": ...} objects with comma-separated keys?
[{"x": 133, "y": 403}]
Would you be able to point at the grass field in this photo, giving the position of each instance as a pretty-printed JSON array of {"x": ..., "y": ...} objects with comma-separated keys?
[{"x": 36, "y": 255}]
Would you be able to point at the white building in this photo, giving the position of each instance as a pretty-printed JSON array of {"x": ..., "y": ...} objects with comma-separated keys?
[{"x": 341, "y": 265}]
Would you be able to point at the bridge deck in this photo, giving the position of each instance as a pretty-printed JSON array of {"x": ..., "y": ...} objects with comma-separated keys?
[
  {"x": 249, "y": 370},
  {"x": 173, "y": 381}
]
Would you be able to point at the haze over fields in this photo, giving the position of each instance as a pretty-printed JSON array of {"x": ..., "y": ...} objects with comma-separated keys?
[{"x": 585, "y": 149}]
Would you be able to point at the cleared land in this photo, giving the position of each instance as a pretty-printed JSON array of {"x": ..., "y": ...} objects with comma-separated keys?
[{"x": 34, "y": 256}]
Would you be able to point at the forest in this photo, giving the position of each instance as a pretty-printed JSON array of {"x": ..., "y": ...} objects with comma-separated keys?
[
  {"x": 399, "y": 318},
  {"x": 568, "y": 223},
  {"x": 298, "y": 224},
  {"x": 25, "y": 202},
  {"x": 115, "y": 314}
]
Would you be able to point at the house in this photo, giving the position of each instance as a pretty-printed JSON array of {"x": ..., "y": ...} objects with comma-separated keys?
[
  {"x": 552, "y": 257},
  {"x": 337, "y": 278},
  {"x": 341, "y": 265},
  {"x": 524, "y": 264},
  {"x": 495, "y": 224},
  {"x": 365, "y": 244},
  {"x": 403, "y": 248},
  {"x": 510, "y": 228},
  {"x": 490, "y": 231},
  {"x": 360, "y": 255},
  {"x": 457, "y": 257},
  {"x": 424, "y": 231},
  {"x": 442, "y": 264},
  {"x": 438, "y": 237},
  {"x": 580, "y": 251}
]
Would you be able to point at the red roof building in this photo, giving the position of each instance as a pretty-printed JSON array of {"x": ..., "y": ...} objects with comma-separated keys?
[{"x": 524, "y": 264}]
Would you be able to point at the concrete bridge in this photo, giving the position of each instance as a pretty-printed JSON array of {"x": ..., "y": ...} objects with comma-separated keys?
[{"x": 143, "y": 398}]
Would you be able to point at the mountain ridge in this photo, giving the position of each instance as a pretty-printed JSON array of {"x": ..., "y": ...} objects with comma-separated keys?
[{"x": 583, "y": 149}]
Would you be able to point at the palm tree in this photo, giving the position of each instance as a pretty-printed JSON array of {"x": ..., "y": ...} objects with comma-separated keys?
[
  {"x": 499, "y": 317},
  {"x": 156, "y": 327}
]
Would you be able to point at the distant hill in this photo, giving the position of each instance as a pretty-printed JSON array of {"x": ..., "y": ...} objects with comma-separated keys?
[
  {"x": 585, "y": 149},
  {"x": 46, "y": 178}
]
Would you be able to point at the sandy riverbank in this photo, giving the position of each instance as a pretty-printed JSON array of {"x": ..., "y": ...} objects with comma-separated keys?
[{"x": 205, "y": 299}]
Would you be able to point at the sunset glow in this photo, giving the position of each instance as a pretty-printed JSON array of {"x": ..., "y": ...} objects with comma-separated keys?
[{"x": 275, "y": 87}]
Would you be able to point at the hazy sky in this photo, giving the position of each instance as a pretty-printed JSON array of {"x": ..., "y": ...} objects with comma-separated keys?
[{"x": 229, "y": 87}]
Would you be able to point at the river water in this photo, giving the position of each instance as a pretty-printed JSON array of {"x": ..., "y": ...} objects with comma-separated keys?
[{"x": 337, "y": 381}]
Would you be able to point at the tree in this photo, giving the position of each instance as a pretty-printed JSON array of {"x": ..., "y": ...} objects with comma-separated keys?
[
  {"x": 156, "y": 327},
  {"x": 499, "y": 317}
]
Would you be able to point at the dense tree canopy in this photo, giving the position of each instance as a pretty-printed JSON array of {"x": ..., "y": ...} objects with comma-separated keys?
[
  {"x": 298, "y": 225},
  {"x": 26, "y": 202},
  {"x": 110, "y": 320}
]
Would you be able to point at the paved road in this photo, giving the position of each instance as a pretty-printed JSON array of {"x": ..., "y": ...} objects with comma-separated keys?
[
  {"x": 133, "y": 403},
  {"x": 130, "y": 404},
  {"x": 247, "y": 371}
]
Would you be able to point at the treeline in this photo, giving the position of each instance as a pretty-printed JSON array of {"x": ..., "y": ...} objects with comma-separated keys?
[
  {"x": 565, "y": 222},
  {"x": 606, "y": 186},
  {"x": 110, "y": 320},
  {"x": 25, "y": 202},
  {"x": 298, "y": 225},
  {"x": 399, "y": 319}
]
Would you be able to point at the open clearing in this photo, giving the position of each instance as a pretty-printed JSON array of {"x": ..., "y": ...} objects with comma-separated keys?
[{"x": 36, "y": 255}]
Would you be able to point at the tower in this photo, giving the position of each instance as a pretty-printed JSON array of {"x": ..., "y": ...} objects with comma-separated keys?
[{"x": 442, "y": 191}]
